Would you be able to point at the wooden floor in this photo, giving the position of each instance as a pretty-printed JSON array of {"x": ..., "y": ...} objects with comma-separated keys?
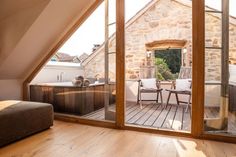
[
  {"x": 153, "y": 115},
  {"x": 75, "y": 140}
]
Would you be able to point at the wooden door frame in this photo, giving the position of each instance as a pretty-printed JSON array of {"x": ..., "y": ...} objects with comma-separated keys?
[
  {"x": 198, "y": 65},
  {"x": 120, "y": 63}
]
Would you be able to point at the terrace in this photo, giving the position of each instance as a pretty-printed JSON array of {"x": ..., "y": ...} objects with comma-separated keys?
[{"x": 152, "y": 115}]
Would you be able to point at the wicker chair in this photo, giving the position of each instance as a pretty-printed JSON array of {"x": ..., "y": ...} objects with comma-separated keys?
[{"x": 149, "y": 86}]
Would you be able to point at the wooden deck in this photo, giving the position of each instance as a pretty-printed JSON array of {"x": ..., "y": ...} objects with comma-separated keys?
[{"x": 153, "y": 115}]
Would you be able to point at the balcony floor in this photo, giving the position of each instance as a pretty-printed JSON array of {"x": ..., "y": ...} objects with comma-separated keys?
[{"x": 152, "y": 115}]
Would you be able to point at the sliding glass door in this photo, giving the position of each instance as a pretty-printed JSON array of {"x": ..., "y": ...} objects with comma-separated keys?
[
  {"x": 158, "y": 61},
  {"x": 220, "y": 46},
  {"x": 80, "y": 79}
]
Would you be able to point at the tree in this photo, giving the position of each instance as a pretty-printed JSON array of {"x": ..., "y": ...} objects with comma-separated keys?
[
  {"x": 163, "y": 71},
  {"x": 172, "y": 57}
]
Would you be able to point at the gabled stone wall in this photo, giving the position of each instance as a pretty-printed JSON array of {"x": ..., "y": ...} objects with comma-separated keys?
[{"x": 165, "y": 20}]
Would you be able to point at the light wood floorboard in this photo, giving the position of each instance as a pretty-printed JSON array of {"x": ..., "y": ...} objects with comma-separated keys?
[{"x": 75, "y": 140}]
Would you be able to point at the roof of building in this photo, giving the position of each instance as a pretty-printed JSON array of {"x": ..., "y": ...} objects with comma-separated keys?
[
  {"x": 62, "y": 64},
  {"x": 83, "y": 57},
  {"x": 64, "y": 57}
]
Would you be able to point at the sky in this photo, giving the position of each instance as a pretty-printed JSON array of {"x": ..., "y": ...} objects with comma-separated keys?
[{"x": 92, "y": 30}]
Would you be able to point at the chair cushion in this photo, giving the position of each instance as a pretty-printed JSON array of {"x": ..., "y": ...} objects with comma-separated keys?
[
  {"x": 149, "y": 83},
  {"x": 183, "y": 84}
]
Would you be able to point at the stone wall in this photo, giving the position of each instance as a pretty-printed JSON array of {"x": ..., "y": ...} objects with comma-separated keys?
[{"x": 165, "y": 20}]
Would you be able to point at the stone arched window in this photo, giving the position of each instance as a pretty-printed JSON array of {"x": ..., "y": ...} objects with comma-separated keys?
[
  {"x": 174, "y": 52},
  {"x": 170, "y": 44}
]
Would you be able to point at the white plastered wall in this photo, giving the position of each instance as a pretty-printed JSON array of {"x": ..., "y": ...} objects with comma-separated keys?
[{"x": 10, "y": 89}]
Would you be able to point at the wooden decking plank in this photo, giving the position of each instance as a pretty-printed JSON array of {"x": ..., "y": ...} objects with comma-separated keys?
[
  {"x": 161, "y": 119},
  {"x": 102, "y": 116},
  {"x": 150, "y": 121},
  {"x": 140, "y": 114},
  {"x": 92, "y": 113},
  {"x": 170, "y": 118},
  {"x": 132, "y": 109},
  {"x": 186, "y": 121},
  {"x": 147, "y": 115},
  {"x": 135, "y": 112},
  {"x": 130, "y": 106},
  {"x": 178, "y": 120},
  {"x": 97, "y": 115}
]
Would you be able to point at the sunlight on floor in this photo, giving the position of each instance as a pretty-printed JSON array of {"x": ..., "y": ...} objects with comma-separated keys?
[{"x": 187, "y": 148}]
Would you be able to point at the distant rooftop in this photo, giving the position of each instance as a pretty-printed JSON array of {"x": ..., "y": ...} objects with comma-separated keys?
[{"x": 63, "y": 64}]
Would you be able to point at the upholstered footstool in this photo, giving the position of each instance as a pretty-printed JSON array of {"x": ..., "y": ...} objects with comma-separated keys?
[{"x": 19, "y": 119}]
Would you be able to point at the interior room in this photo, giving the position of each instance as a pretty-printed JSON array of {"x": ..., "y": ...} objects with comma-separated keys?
[{"x": 118, "y": 77}]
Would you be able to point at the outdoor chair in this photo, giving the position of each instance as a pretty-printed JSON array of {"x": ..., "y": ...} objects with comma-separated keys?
[
  {"x": 182, "y": 86},
  {"x": 151, "y": 85}
]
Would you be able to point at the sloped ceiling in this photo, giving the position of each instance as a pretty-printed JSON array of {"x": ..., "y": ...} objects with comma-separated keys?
[
  {"x": 15, "y": 19},
  {"x": 30, "y": 28}
]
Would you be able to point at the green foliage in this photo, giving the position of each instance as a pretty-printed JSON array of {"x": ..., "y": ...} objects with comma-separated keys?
[
  {"x": 163, "y": 71},
  {"x": 172, "y": 58}
]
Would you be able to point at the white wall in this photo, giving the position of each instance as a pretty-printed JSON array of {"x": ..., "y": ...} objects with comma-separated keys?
[
  {"x": 132, "y": 90},
  {"x": 10, "y": 89},
  {"x": 52, "y": 71},
  {"x": 212, "y": 94}
]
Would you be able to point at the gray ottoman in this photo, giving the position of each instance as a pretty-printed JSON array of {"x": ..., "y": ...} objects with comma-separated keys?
[{"x": 19, "y": 119}]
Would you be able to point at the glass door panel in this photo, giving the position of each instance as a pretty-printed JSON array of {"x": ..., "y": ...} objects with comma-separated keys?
[
  {"x": 215, "y": 112},
  {"x": 158, "y": 59},
  {"x": 110, "y": 59},
  {"x": 219, "y": 107},
  {"x": 80, "y": 78}
]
